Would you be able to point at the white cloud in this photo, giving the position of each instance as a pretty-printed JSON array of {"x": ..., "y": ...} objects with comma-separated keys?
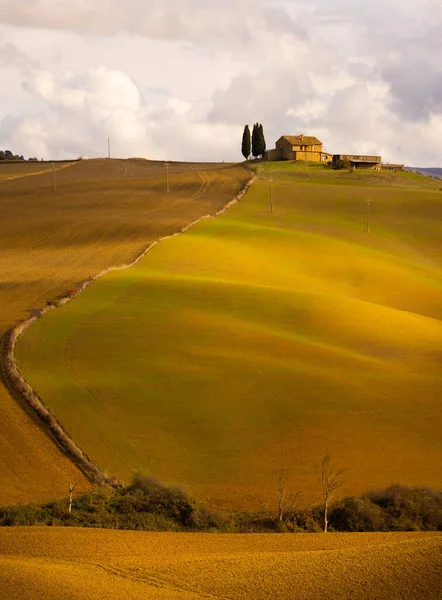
[{"x": 187, "y": 75}]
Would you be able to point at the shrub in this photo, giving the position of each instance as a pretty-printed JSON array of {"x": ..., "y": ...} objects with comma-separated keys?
[
  {"x": 342, "y": 164},
  {"x": 357, "y": 514},
  {"x": 148, "y": 494},
  {"x": 409, "y": 509}
]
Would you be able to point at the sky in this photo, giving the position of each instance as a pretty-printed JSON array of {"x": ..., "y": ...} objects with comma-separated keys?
[{"x": 179, "y": 79}]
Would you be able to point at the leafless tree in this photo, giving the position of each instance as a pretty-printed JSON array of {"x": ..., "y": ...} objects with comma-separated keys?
[
  {"x": 330, "y": 485},
  {"x": 72, "y": 487},
  {"x": 287, "y": 501}
]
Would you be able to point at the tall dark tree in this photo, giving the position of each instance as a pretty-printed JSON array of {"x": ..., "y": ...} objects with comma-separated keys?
[
  {"x": 258, "y": 140},
  {"x": 262, "y": 140},
  {"x": 255, "y": 142},
  {"x": 246, "y": 143}
]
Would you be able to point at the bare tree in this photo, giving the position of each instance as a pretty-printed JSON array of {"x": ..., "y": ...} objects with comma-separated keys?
[
  {"x": 287, "y": 501},
  {"x": 72, "y": 487},
  {"x": 330, "y": 485}
]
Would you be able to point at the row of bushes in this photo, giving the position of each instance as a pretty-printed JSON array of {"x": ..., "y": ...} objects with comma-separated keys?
[
  {"x": 151, "y": 506},
  {"x": 146, "y": 505}
]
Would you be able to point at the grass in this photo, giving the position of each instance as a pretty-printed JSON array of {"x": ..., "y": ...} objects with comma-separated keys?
[
  {"x": 102, "y": 213},
  {"x": 50, "y": 562},
  {"x": 256, "y": 340}
]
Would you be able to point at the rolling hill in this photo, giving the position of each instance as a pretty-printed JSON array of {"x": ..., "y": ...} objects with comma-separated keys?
[
  {"x": 259, "y": 340},
  {"x": 102, "y": 213}
]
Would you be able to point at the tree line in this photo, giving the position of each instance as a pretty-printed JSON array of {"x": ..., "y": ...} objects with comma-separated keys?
[
  {"x": 8, "y": 155},
  {"x": 147, "y": 504},
  {"x": 254, "y": 144}
]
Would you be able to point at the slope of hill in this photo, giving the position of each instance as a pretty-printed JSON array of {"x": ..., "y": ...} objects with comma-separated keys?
[
  {"x": 258, "y": 340},
  {"x": 102, "y": 213},
  {"x": 87, "y": 564}
]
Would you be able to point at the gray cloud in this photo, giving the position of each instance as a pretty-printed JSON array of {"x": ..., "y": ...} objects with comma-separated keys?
[
  {"x": 416, "y": 89},
  {"x": 11, "y": 56},
  {"x": 198, "y": 21}
]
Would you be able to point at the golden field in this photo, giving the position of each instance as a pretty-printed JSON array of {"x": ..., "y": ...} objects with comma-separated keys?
[
  {"x": 102, "y": 213},
  {"x": 53, "y": 563},
  {"x": 257, "y": 340}
]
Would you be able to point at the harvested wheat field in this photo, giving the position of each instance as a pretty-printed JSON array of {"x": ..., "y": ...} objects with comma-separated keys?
[
  {"x": 18, "y": 170},
  {"x": 257, "y": 339},
  {"x": 74, "y": 563},
  {"x": 102, "y": 213}
]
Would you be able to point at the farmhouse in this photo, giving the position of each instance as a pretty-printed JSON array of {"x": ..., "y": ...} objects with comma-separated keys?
[
  {"x": 298, "y": 147},
  {"x": 358, "y": 161},
  {"x": 309, "y": 148}
]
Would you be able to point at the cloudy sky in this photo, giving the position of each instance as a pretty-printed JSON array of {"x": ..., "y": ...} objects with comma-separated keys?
[{"x": 179, "y": 79}]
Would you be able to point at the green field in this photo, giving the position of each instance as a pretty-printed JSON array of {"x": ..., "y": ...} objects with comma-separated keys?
[
  {"x": 257, "y": 340},
  {"x": 102, "y": 213}
]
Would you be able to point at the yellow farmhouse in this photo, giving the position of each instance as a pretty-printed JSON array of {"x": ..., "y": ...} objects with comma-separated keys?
[{"x": 298, "y": 147}]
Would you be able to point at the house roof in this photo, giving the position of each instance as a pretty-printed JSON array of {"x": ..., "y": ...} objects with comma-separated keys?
[
  {"x": 363, "y": 160},
  {"x": 306, "y": 140}
]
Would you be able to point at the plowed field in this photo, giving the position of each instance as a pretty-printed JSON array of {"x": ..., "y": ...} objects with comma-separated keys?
[
  {"x": 88, "y": 564},
  {"x": 102, "y": 213}
]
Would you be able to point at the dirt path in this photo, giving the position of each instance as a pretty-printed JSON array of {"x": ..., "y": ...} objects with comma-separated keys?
[{"x": 22, "y": 175}]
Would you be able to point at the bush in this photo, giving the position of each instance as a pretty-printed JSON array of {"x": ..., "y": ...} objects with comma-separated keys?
[
  {"x": 146, "y": 494},
  {"x": 342, "y": 164},
  {"x": 357, "y": 514},
  {"x": 409, "y": 509}
]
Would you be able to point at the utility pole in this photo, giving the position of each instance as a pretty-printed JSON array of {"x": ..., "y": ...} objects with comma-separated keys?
[
  {"x": 271, "y": 194},
  {"x": 108, "y": 148},
  {"x": 53, "y": 177},
  {"x": 368, "y": 215},
  {"x": 166, "y": 164}
]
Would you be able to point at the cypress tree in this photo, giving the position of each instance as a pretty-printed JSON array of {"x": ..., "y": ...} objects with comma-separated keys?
[
  {"x": 255, "y": 142},
  {"x": 246, "y": 144},
  {"x": 261, "y": 140}
]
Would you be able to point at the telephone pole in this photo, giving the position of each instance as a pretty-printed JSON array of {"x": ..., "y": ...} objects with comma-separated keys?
[
  {"x": 108, "y": 148},
  {"x": 166, "y": 164},
  {"x": 368, "y": 215},
  {"x": 271, "y": 194},
  {"x": 53, "y": 177}
]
